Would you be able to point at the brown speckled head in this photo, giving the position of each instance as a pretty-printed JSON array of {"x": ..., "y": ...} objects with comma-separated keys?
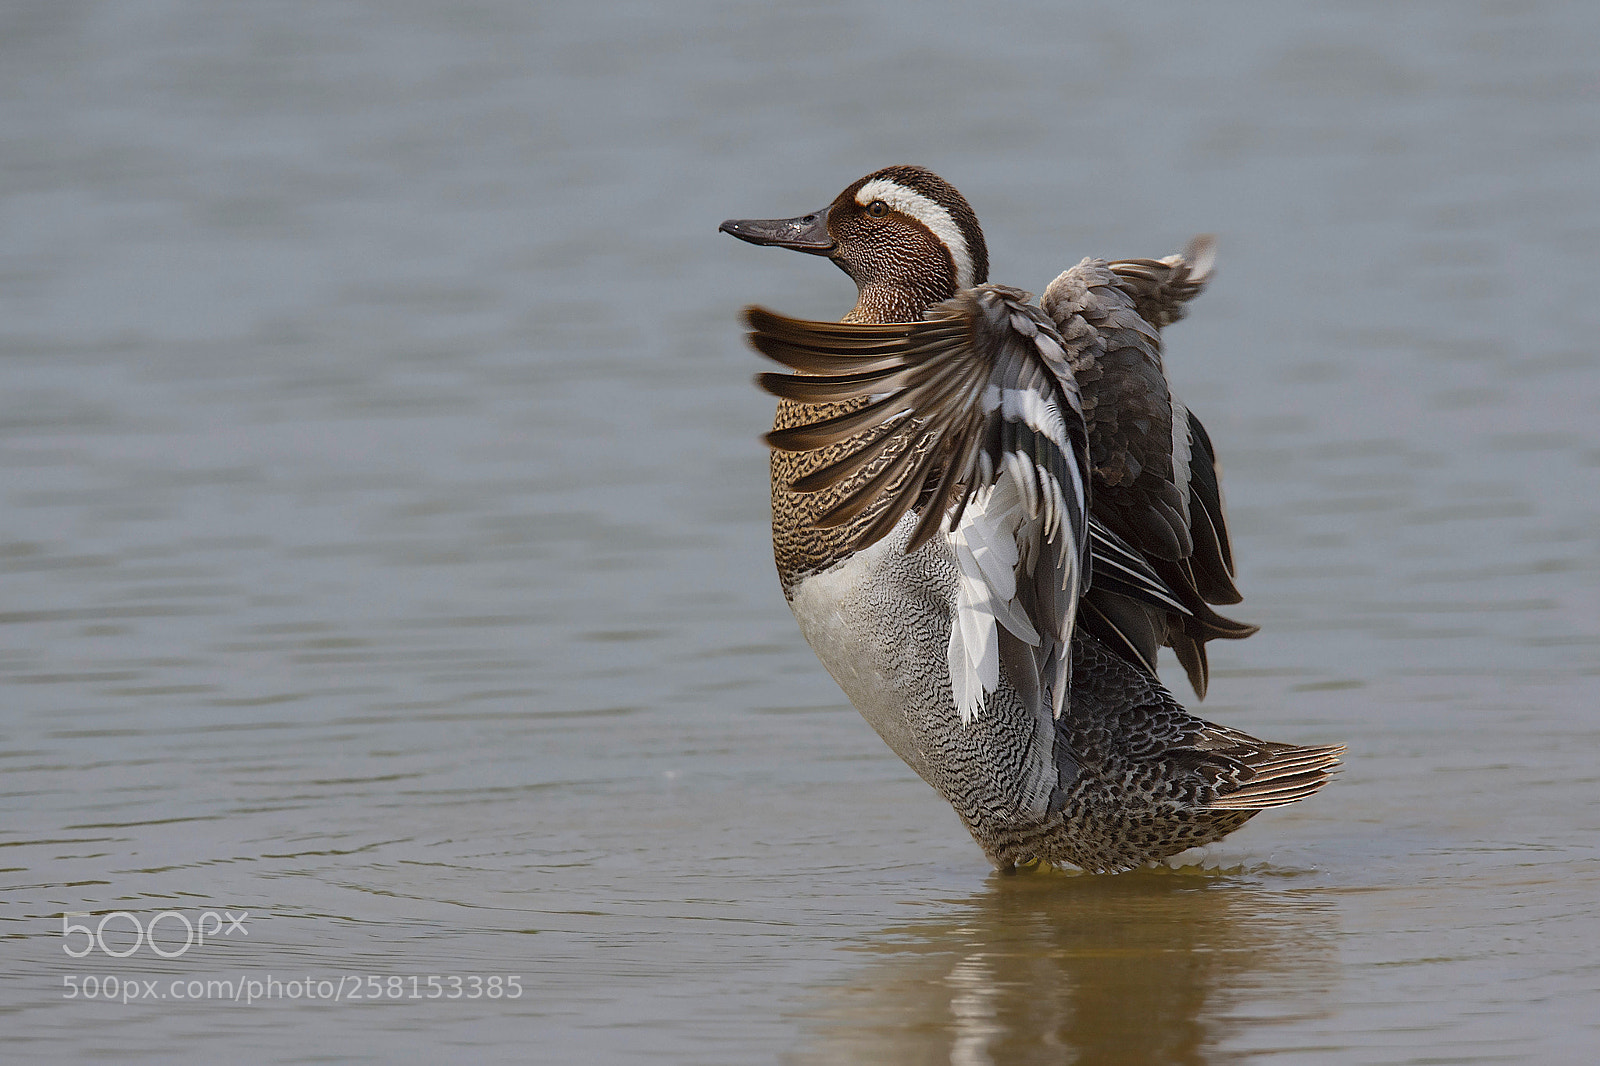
[
  {"x": 908, "y": 240},
  {"x": 905, "y": 236}
]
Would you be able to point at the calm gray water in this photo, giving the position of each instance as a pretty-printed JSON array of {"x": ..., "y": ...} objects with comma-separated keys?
[{"x": 385, "y": 553}]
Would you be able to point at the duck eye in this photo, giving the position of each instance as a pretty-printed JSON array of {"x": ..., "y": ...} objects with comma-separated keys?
[{"x": 877, "y": 209}]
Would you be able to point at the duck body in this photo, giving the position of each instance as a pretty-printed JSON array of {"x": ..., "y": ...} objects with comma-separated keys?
[
  {"x": 880, "y": 622},
  {"x": 987, "y": 517}
]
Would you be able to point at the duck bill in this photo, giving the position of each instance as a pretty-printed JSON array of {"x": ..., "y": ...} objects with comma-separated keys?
[{"x": 807, "y": 233}]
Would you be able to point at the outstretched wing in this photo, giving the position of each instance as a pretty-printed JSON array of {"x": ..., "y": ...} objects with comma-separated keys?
[
  {"x": 1155, "y": 475},
  {"x": 1159, "y": 289},
  {"x": 971, "y": 418}
]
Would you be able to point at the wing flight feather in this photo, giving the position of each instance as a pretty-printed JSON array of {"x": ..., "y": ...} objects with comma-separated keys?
[{"x": 1156, "y": 486}]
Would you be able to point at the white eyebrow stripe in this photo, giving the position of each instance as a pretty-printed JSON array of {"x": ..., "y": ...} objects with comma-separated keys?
[{"x": 913, "y": 204}]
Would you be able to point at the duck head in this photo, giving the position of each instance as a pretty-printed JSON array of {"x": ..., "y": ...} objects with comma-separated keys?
[{"x": 905, "y": 236}]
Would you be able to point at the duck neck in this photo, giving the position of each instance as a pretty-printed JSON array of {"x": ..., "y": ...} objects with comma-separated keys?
[{"x": 896, "y": 303}]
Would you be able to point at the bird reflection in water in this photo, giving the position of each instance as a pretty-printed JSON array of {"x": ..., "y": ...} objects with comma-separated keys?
[{"x": 1156, "y": 966}]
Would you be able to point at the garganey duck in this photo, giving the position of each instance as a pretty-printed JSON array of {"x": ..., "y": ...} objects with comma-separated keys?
[{"x": 988, "y": 516}]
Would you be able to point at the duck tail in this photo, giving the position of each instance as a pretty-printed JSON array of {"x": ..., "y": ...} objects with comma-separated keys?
[{"x": 1279, "y": 775}]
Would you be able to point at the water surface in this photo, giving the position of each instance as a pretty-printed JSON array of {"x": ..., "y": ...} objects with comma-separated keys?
[{"x": 385, "y": 554}]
